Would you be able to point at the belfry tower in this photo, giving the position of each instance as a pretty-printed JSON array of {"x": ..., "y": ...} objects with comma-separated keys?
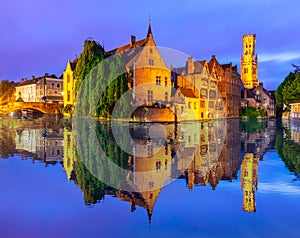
[{"x": 249, "y": 62}]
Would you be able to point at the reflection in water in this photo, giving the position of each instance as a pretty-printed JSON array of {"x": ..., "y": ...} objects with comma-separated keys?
[
  {"x": 288, "y": 145},
  {"x": 160, "y": 153}
]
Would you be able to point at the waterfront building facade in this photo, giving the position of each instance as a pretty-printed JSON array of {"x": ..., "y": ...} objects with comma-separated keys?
[
  {"x": 47, "y": 88},
  {"x": 69, "y": 82}
]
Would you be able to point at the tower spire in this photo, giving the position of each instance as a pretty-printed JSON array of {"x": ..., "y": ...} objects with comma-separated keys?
[{"x": 149, "y": 34}]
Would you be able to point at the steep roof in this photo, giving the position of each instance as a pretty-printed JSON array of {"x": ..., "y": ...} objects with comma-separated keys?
[
  {"x": 187, "y": 92},
  {"x": 199, "y": 65},
  {"x": 73, "y": 64}
]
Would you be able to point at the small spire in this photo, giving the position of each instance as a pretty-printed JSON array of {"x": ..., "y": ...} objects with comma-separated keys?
[
  {"x": 149, "y": 34},
  {"x": 149, "y": 215}
]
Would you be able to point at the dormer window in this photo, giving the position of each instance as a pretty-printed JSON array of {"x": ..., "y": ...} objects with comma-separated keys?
[{"x": 151, "y": 62}]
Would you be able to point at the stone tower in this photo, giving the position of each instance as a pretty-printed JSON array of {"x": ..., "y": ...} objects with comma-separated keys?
[{"x": 249, "y": 62}]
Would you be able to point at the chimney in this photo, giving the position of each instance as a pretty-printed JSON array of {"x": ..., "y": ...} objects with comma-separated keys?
[
  {"x": 213, "y": 57},
  {"x": 132, "y": 40},
  {"x": 33, "y": 77},
  {"x": 190, "y": 65},
  {"x": 46, "y": 74}
]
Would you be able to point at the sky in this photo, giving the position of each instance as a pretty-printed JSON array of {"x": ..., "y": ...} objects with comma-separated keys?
[{"x": 40, "y": 36}]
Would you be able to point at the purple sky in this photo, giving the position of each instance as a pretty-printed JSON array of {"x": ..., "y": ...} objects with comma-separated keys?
[{"x": 39, "y": 36}]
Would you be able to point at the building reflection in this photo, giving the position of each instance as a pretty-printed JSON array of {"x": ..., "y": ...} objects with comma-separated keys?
[
  {"x": 202, "y": 154},
  {"x": 249, "y": 181},
  {"x": 39, "y": 139}
]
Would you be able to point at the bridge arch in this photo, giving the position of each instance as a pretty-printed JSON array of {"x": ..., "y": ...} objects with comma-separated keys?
[{"x": 46, "y": 108}]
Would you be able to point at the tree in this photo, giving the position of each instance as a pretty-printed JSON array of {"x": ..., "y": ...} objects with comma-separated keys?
[
  {"x": 288, "y": 91},
  {"x": 93, "y": 53},
  {"x": 6, "y": 91}
]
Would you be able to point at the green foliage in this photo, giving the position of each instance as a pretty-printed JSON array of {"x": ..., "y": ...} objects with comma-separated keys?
[
  {"x": 287, "y": 149},
  {"x": 92, "y": 54},
  {"x": 102, "y": 89},
  {"x": 93, "y": 189},
  {"x": 252, "y": 112},
  {"x": 6, "y": 91},
  {"x": 253, "y": 125},
  {"x": 288, "y": 91},
  {"x": 99, "y": 152},
  {"x": 67, "y": 109}
]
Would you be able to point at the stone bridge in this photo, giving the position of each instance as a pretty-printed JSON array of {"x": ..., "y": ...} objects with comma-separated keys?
[{"x": 46, "y": 108}]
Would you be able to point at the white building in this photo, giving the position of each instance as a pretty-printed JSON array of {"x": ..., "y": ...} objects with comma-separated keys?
[{"x": 42, "y": 89}]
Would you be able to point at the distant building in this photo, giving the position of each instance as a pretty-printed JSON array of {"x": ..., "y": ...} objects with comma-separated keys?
[
  {"x": 260, "y": 98},
  {"x": 249, "y": 67},
  {"x": 47, "y": 88}
]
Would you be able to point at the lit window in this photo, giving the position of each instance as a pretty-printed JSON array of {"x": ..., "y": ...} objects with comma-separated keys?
[{"x": 158, "y": 80}]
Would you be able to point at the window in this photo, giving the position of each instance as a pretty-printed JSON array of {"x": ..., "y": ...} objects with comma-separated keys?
[
  {"x": 166, "y": 97},
  {"x": 212, "y": 83},
  {"x": 212, "y": 94},
  {"x": 203, "y": 93},
  {"x": 204, "y": 81},
  {"x": 52, "y": 84},
  {"x": 158, "y": 165},
  {"x": 158, "y": 80},
  {"x": 245, "y": 70},
  {"x": 202, "y": 103},
  {"x": 195, "y": 105},
  {"x": 150, "y": 95},
  {"x": 151, "y": 184},
  {"x": 68, "y": 78},
  {"x": 58, "y": 85},
  {"x": 151, "y": 62},
  {"x": 166, "y": 81},
  {"x": 189, "y": 105},
  {"x": 211, "y": 104},
  {"x": 151, "y": 50}
]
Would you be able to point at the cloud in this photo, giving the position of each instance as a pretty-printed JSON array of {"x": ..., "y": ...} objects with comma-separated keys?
[
  {"x": 279, "y": 57},
  {"x": 281, "y": 188}
]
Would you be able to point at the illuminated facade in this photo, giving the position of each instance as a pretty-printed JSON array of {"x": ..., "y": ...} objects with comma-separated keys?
[
  {"x": 69, "y": 83},
  {"x": 249, "y": 67},
  {"x": 47, "y": 88}
]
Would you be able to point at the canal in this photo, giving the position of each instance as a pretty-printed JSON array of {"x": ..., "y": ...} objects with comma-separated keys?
[{"x": 62, "y": 177}]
